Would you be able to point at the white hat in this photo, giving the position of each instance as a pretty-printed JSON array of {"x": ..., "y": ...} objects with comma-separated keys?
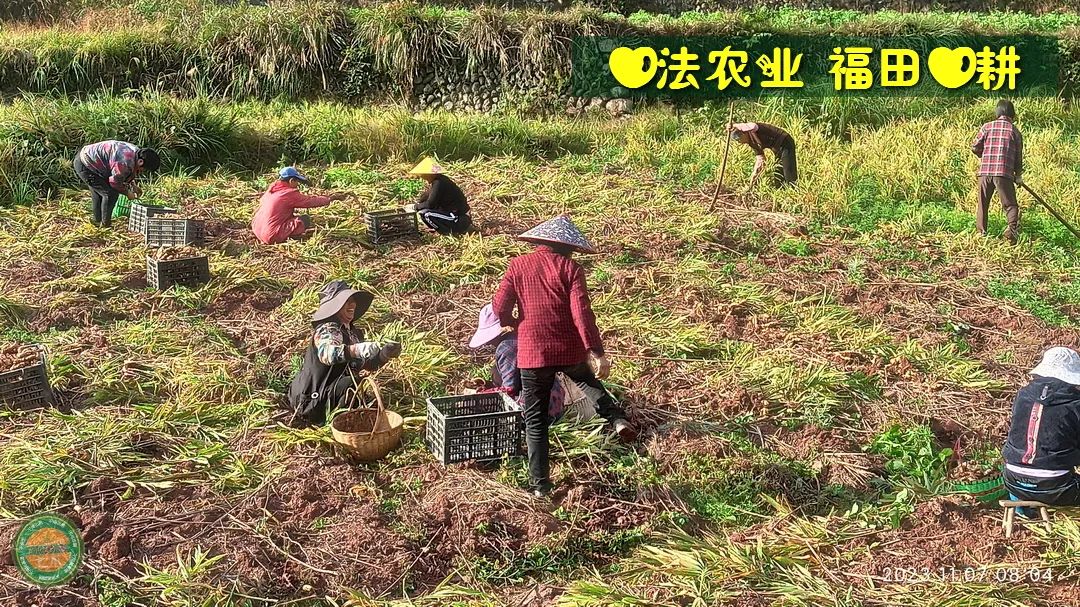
[{"x": 1060, "y": 363}]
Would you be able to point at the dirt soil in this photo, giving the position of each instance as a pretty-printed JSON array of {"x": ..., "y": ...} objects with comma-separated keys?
[{"x": 322, "y": 524}]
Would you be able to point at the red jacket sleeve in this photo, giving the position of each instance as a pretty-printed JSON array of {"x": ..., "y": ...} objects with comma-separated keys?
[
  {"x": 298, "y": 200},
  {"x": 581, "y": 308},
  {"x": 506, "y": 299}
]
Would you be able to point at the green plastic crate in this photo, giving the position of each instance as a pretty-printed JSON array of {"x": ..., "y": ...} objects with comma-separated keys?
[{"x": 122, "y": 208}]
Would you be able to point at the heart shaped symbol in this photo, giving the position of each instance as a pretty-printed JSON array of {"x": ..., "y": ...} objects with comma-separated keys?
[
  {"x": 947, "y": 66},
  {"x": 629, "y": 66}
]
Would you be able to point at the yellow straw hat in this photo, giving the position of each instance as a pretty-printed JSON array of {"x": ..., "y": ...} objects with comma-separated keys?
[{"x": 427, "y": 166}]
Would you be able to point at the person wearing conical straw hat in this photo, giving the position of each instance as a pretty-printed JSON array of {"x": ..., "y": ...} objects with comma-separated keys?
[
  {"x": 761, "y": 136},
  {"x": 1043, "y": 446},
  {"x": 335, "y": 352},
  {"x": 442, "y": 206},
  {"x": 556, "y": 331}
]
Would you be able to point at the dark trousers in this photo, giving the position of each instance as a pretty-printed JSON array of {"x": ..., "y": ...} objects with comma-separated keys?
[
  {"x": 102, "y": 195},
  {"x": 787, "y": 170},
  {"x": 536, "y": 394},
  {"x": 334, "y": 397},
  {"x": 1061, "y": 490},
  {"x": 1006, "y": 189},
  {"x": 445, "y": 223}
]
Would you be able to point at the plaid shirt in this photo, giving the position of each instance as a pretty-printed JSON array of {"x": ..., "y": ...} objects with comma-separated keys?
[
  {"x": 112, "y": 160},
  {"x": 555, "y": 322},
  {"x": 1000, "y": 149}
]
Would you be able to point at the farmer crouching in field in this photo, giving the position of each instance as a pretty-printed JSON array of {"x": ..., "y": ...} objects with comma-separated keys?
[
  {"x": 336, "y": 351},
  {"x": 109, "y": 169},
  {"x": 556, "y": 332},
  {"x": 275, "y": 222},
  {"x": 760, "y": 137},
  {"x": 505, "y": 374},
  {"x": 1000, "y": 149},
  {"x": 1043, "y": 447},
  {"x": 442, "y": 206}
]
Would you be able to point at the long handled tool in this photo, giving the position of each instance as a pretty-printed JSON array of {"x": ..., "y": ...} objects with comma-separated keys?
[
  {"x": 1049, "y": 208},
  {"x": 727, "y": 146}
]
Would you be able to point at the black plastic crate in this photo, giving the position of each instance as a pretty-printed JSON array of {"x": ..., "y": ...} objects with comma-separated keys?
[
  {"x": 26, "y": 388},
  {"x": 139, "y": 213},
  {"x": 187, "y": 271},
  {"x": 474, "y": 427},
  {"x": 390, "y": 224},
  {"x": 169, "y": 232}
]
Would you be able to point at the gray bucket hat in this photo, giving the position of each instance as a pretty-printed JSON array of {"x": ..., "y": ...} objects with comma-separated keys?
[
  {"x": 333, "y": 296},
  {"x": 1060, "y": 363}
]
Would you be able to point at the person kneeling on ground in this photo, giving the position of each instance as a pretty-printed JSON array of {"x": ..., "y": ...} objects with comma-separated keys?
[
  {"x": 442, "y": 207},
  {"x": 1043, "y": 446},
  {"x": 556, "y": 333},
  {"x": 335, "y": 353},
  {"x": 761, "y": 136},
  {"x": 274, "y": 222},
  {"x": 109, "y": 169},
  {"x": 507, "y": 378}
]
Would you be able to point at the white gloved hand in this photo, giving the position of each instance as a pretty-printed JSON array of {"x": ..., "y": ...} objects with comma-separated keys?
[
  {"x": 366, "y": 350},
  {"x": 1019, "y": 180},
  {"x": 410, "y": 208}
]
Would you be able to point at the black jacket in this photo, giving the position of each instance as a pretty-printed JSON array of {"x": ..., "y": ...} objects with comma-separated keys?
[
  {"x": 314, "y": 390},
  {"x": 443, "y": 195},
  {"x": 1045, "y": 431}
]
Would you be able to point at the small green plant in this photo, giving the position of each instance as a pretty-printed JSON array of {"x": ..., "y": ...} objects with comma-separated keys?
[
  {"x": 348, "y": 176},
  {"x": 913, "y": 454},
  {"x": 902, "y": 506},
  {"x": 1024, "y": 294},
  {"x": 406, "y": 189},
  {"x": 796, "y": 247}
]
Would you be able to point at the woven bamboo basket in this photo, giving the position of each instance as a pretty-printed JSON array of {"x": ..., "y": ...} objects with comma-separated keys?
[{"x": 368, "y": 434}]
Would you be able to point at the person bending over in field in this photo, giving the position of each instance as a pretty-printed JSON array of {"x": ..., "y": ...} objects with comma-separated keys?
[
  {"x": 556, "y": 332},
  {"x": 109, "y": 169},
  {"x": 506, "y": 376},
  {"x": 336, "y": 351},
  {"x": 760, "y": 137},
  {"x": 1000, "y": 149},
  {"x": 1043, "y": 446},
  {"x": 442, "y": 207},
  {"x": 275, "y": 222}
]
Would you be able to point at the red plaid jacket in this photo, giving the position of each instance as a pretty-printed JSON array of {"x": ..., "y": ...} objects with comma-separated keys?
[
  {"x": 1000, "y": 149},
  {"x": 555, "y": 322}
]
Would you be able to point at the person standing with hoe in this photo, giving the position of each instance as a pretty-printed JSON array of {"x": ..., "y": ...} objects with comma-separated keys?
[
  {"x": 1000, "y": 149},
  {"x": 760, "y": 137}
]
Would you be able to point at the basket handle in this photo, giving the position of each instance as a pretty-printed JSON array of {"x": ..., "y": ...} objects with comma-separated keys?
[
  {"x": 378, "y": 401},
  {"x": 378, "y": 397}
]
